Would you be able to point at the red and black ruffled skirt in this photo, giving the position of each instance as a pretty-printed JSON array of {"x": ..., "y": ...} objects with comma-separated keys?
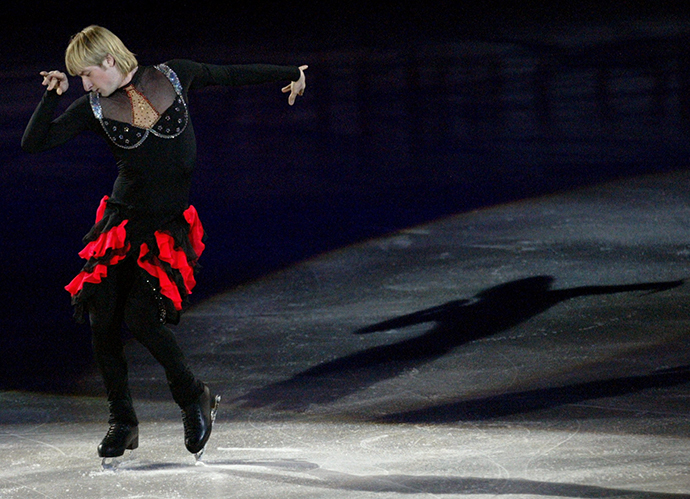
[{"x": 168, "y": 256}]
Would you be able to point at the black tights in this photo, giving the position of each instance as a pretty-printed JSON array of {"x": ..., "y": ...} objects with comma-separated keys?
[{"x": 125, "y": 297}]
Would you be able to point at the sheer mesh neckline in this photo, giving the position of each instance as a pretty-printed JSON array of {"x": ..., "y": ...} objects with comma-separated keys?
[
  {"x": 152, "y": 89},
  {"x": 151, "y": 102}
]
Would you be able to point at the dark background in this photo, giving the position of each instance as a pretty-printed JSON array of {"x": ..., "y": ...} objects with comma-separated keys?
[{"x": 413, "y": 111}]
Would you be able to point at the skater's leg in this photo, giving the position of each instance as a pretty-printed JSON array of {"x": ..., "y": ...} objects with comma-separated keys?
[
  {"x": 105, "y": 317},
  {"x": 142, "y": 319},
  {"x": 106, "y": 309},
  {"x": 194, "y": 397}
]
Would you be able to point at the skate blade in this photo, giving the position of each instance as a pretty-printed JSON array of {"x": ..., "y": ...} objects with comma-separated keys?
[
  {"x": 214, "y": 411},
  {"x": 114, "y": 463}
]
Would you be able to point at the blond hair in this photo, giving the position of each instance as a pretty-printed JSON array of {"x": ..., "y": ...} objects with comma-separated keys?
[{"x": 92, "y": 45}]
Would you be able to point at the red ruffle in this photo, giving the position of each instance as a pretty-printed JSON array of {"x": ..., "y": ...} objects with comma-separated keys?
[
  {"x": 196, "y": 230},
  {"x": 114, "y": 240},
  {"x": 176, "y": 258},
  {"x": 99, "y": 272},
  {"x": 168, "y": 287},
  {"x": 101, "y": 208}
]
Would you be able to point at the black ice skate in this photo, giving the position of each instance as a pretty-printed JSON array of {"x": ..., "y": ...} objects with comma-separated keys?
[
  {"x": 198, "y": 418},
  {"x": 120, "y": 437}
]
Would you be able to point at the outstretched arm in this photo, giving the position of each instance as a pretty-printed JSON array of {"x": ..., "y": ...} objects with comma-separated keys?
[
  {"x": 296, "y": 87},
  {"x": 194, "y": 75}
]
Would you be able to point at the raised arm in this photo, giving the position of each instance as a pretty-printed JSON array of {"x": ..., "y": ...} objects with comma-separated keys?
[{"x": 43, "y": 132}]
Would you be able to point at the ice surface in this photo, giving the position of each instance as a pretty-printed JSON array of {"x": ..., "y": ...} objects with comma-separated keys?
[{"x": 521, "y": 351}]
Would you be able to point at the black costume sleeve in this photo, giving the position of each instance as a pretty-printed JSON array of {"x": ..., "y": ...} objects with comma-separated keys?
[
  {"x": 43, "y": 132},
  {"x": 194, "y": 75}
]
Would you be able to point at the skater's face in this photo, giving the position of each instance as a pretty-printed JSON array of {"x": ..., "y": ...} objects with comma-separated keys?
[{"x": 104, "y": 79}]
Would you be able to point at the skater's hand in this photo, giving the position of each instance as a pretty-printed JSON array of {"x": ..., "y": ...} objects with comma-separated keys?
[
  {"x": 55, "y": 80},
  {"x": 296, "y": 87}
]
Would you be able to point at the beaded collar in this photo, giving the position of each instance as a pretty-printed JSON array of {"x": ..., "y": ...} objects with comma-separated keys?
[{"x": 170, "y": 124}]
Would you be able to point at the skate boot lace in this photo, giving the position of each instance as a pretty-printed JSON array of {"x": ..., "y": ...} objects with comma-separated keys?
[
  {"x": 116, "y": 432},
  {"x": 193, "y": 421}
]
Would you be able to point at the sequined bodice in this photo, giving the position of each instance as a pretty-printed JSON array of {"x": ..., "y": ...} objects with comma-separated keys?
[{"x": 145, "y": 119}]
